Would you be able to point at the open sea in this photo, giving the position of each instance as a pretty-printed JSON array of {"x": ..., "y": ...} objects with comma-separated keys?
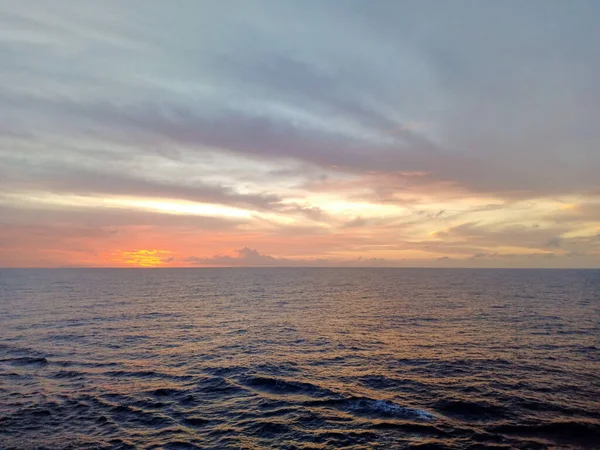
[{"x": 299, "y": 358}]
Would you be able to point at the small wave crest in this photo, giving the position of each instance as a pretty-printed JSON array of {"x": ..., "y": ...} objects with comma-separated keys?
[
  {"x": 387, "y": 408},
  {"x": 323, "y": 397},
  {"x": 284, "y": 386},
  {"x": 368, "y": 407}
]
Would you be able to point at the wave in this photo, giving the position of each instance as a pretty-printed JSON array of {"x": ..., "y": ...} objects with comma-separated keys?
[
  {"x": 375, "y": 408},
  {"x": 180, "y": 445},
  {"x": 166, "y": 392},
  {"x": 387, "y": 408},
  {"x": 266, "y": 428},
  {"x": 26, "y": 361},
  {"x": 61, "y": 374},
  {"x": 582, "y": 432},
  {"x": 357, "y": 405},
  {"x": 283, "y": 386},
  {"x": 146, "y": 374},
  {"x": 473, "y": 410},
  {"x": 196, "y": 421}
]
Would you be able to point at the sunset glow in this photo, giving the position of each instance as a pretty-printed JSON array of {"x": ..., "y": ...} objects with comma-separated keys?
[
  {"x": 143, "y": 258},
  {"x": 358, "y": 145}
]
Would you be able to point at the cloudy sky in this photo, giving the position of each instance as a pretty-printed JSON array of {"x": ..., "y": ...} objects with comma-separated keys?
[{"x": 308, "y": 132}]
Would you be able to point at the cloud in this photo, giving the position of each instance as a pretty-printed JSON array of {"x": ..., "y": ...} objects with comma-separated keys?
[
  {"x": 325, "y": 105},
  {"x": 584, "y": 212},
  {"x": 383, "y": 130},
  {"x": 356, "y": 223},
  {"x": 22, "y": 216},
  {"x": 68, "y": 179},
  {"x": 517, "y": 235},
  {"x": 247, "y": 257},
  {"x": 248, "y": 133},
  {"x": 553, "y": 242}
]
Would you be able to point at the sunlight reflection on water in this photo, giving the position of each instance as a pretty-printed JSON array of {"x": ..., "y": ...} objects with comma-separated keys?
[{"x": 299, "y": 358}]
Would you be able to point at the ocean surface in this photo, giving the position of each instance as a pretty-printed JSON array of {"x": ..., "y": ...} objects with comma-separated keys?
[{"x": 299, "y": 358}]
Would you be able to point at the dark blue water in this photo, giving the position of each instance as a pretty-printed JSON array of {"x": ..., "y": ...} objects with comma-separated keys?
[{"x": 299, "y": 358}]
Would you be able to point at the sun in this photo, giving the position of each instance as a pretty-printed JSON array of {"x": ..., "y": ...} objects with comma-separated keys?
[{"x": 145, "y": 258}]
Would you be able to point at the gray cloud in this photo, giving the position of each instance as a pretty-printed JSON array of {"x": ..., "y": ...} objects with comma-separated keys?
[
  {"x": 473, "y": 234},
  {"x": 587, "y": 211},
  {"x": 247, "y": 257},
  {"x": 65, "y": 178},
  {"x": 474, "y": 238},
  {"x": 107, "y": 220},
  {"x": 498, "y": 110},
  {"x": 478, "y": 168}
]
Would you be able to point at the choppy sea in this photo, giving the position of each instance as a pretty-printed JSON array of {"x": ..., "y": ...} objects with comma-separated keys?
[{"x": 299, "y": 358}]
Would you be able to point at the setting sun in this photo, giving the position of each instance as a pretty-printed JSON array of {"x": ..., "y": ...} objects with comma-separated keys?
[{"x": 144, "y": 258}]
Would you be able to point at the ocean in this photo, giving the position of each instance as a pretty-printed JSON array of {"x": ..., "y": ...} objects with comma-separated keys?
[{"x": 299, "y": 358}]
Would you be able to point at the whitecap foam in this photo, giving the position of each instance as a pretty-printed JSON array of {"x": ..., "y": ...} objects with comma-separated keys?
[{"x": 389, "y": 408}]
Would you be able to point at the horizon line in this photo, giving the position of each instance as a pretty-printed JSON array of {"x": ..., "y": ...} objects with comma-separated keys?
[{"x": 301, "y": 267}]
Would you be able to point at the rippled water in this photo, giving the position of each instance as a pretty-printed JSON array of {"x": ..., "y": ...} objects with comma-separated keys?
[{"x": 299, "y": 358}]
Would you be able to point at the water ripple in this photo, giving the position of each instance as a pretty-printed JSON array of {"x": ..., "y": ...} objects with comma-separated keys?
[{"x": 299, "y": 359}]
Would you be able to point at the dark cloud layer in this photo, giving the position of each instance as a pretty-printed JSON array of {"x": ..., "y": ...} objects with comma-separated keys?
[{"x": 109, "y": 219}]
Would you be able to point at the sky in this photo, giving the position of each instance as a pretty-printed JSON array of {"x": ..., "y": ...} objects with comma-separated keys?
[{"x": 299, "y": 133}]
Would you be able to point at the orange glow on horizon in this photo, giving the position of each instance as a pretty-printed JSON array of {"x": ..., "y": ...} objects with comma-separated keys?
[{"x": 144, "y": 257}]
